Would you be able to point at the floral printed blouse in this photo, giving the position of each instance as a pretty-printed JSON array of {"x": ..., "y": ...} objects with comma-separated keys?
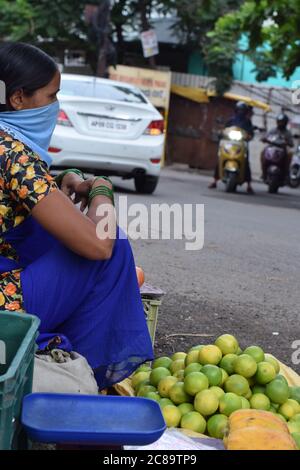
[{"x": 24, "y": 181}]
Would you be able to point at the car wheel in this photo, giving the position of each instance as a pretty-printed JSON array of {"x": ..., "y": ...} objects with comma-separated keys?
[{"x": 145, "y": 184}]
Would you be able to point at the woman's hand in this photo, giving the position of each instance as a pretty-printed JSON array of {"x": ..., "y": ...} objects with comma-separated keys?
[
  {"x": 69, "y": 184},
  {"x": 75, "y": 185}
]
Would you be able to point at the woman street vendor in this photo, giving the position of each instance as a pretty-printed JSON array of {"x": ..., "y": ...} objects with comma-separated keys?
[{"x": 53, "y": 264}]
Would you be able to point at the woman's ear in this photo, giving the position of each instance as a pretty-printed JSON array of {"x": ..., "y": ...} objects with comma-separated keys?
[{"x": 16, "y": 100}]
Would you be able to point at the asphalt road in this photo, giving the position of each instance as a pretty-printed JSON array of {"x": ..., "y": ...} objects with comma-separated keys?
[{"x": 245, "y": 280}]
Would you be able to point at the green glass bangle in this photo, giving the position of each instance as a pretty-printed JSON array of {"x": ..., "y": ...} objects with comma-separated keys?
[
  {"x": 101, "y": 191},
  {"x": 104, "y": 178},
  {"x": 60, "y": 177}
]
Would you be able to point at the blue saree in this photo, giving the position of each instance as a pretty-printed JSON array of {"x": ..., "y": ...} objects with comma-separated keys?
[{"x": 96, "y": 305}]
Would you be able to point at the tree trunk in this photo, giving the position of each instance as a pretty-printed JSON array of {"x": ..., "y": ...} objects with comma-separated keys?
[{"x": 121, "y": 45}]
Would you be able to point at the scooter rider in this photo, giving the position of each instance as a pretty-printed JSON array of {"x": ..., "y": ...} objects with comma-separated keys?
[
  {"x": 242, "y": 119},
  {"x": 284, "y": 134}
]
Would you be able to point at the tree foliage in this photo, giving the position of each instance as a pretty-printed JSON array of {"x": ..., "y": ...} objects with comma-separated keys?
[
  {"x": 31, "y": 20},
  {"x": 212, "y": 27},
  {"x": 196, "y": 20},
  {"x": 273, "y": 34}
]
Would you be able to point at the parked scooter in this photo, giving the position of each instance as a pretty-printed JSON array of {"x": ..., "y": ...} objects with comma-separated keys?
[
  {"x": 232, "y": 155},
  {"x": 294, "y": 171},
  {"x": 274, "y": 162}
]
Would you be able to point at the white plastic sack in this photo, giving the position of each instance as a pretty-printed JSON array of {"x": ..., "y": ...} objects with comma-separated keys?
[
  {"x": 173, "y": 439},
  {"x": 73, "y": 376}
]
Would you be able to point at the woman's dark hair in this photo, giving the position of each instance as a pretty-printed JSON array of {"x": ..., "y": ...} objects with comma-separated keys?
[{"x": 24, "y": 67}]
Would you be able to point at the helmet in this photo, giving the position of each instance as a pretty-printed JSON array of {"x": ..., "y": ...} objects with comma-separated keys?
[
  {"x": 282, "y": 120},
  {"x": 242, "y": 108}
]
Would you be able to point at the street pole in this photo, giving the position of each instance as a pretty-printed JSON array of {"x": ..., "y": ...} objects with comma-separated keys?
[{"x": 145, "y": 4}]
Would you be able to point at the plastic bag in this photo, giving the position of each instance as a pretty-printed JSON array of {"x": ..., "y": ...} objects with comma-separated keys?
[{"x": 173, "y": 439}]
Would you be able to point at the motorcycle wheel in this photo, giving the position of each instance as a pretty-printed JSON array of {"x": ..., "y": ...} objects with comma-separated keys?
[
  {"x": 231, "y": 183},
  {"x": 273, "y": 187}
]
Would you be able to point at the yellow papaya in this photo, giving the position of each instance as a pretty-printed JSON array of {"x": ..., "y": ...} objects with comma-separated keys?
[
  {"x": 257, "y": 430},
  {"x": 249, "y": 418},
  {"x": 259, "y": 438}
]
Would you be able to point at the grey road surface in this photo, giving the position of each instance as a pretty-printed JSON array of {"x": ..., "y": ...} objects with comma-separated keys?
[{"x": 246, "y": 279}]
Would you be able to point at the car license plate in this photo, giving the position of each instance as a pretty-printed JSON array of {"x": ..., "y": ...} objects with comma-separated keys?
[{"x": 107, "y": 125}]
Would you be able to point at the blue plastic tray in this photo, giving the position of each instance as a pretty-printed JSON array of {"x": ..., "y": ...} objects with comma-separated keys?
[{"x": 94, "y": 419}]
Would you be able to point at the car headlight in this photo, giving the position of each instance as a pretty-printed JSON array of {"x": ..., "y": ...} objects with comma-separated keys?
[{"x": 235, "y": 135}]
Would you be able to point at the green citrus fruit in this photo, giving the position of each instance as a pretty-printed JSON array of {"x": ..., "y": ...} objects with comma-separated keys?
[
  {"x": 176, "y": 365},
  {"x": 282, "y": 378},
  {"x": 218, "y": 390},
  {"x": 295, "y": 393},
  {"x": 165, "y": 402},
  {"x": 295, "y": 405},
  {"x": 172, "y": 416},
  {"x": 237, "y": 384},
  {"x": 185, "y": 408},
  {"x": 229, "y": 403},
  {"x": 178, "y": 394},
  {"x": 296, "y": 417},
  {"x": 143, "y": 368},
  {"x": 217, "y": 426},
  {"x": 153, "y": 396},
  {"x": 265, "y": 373},
  {"x": 224, "y": 376},
  {"x": 139, "y": 377},
  {"x": 196, "y": 348},
  {"x": 178, "y": 355},
  {"x": 287, "y": 410},
  {"x": 193, "y": 421},
  {"x": 158, "y": 374},
  {"x": 210, "y": 354},
  {"x": 275, "y": 405},
  {"x": 227, "y": 363},
  {"x": 165, "y": 384},
  {"x": 141, "y": 384},
  {"x": 195, "y": 382},
  {"x": 179, "y": 375},
  {"x": 271, "y": 359},
  {"x": 259, "y": 401},
  {"x": 194, "y": 367},
  {"x": 192, "y": 357},
  {"x": 248, "y": 395},
  {"x": 258, "y": 389},
  {"x": 278, "y": 391},
  {"x": 213, "y": 373},
  {"x": 206, "y": 402},
  {"x": 162, "y": 362},
  {"x": 245, "y": 365},
  {"x": 256, "y": 352},
  {"x": 245, "y": 403},
  {"x": 228, "y": 344},
  {"x": 145, "y": 389}
]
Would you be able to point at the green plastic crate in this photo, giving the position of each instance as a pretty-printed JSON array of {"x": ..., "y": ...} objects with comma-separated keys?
[
  {"x": 152, "y": 300},
  {"x": 151, "y": 312},
  {"x": 18, "y": 333}
]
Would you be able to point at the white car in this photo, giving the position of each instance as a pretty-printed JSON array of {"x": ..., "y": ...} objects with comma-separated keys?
[{"x": 108, "y": 128}]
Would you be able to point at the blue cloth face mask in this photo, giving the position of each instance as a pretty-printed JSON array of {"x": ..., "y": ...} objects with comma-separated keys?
[{"x": 33, "y": 127}]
